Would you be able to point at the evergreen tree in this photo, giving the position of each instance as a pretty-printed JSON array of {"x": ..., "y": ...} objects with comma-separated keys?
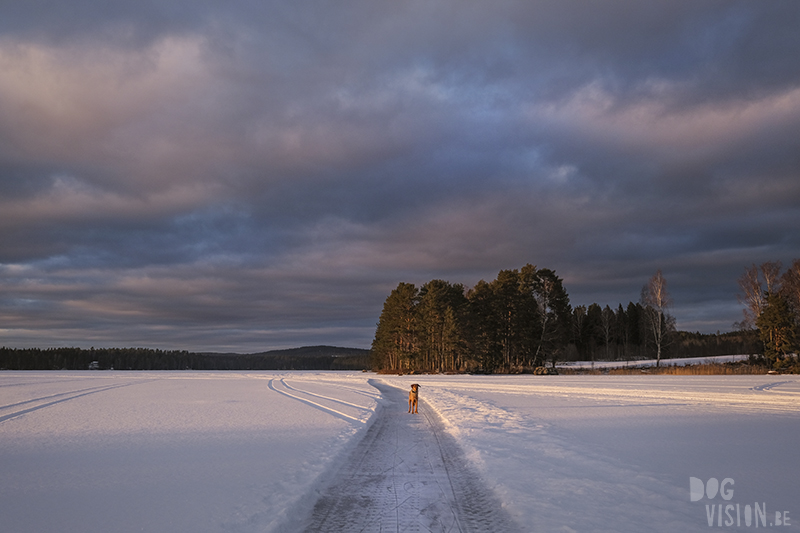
[
  {"x": 395, "y": 344},
  {"x": 606, "y": 330},
  {"x": 453, "y": 345},
  {"x": 579, "y": 329},
  {"x": 507, "y": 303},
  {"x": 634, "y": 325},
  {"x": 790, "y": 289},
  {"x": 620, "y": 332},
  {"x": 438, "y": 313},
  {"x": 594, "y": 319},
  {"x": 517, "y": 312},
  {"x": 484, "y": 327},
  {"x": 777, "y": 328}
]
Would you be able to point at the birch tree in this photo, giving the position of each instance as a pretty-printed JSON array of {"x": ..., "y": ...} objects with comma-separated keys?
[
  {"x": 756, "y": 283},
  {"x": 656, "y": 301},
  {"x": 554, "y": 312}
]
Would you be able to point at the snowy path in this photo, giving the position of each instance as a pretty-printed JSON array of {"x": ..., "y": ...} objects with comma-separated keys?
[{"x": 407, "y": 474}]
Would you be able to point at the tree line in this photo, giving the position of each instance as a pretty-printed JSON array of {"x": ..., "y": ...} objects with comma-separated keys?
[
  {"x": 523, "y": 319},
  {"x": 308, "y": 358}
]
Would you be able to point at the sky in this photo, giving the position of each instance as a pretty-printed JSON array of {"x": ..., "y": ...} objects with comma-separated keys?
[{"x": 253, "y": 175}]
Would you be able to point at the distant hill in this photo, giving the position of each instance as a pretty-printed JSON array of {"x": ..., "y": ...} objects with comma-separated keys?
[
  {"x": 318, "y": 351},
  {"x": 320, "y": 357}
]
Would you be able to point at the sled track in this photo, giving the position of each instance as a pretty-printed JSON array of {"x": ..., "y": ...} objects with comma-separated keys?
[{"x": 407, "y": 474}]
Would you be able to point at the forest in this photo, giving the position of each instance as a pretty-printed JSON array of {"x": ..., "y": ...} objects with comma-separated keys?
[
  {"x": 306, "y": 358},
  {"x": 523, "y": 319}
]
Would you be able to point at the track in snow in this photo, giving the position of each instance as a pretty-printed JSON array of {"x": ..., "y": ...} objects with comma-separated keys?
[
  {"x": 407, "y": 474},
  {"x": 43, "y": 401}
]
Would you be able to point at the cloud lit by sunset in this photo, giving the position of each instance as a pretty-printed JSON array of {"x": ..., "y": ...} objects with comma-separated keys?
[{"x": 246, "y": 176}]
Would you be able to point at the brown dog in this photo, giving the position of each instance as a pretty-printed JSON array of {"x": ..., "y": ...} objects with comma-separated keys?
[{"x": 413, "y": 398}]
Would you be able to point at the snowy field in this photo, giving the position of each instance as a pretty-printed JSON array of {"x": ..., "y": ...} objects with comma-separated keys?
[{"x": 254, "y": 452}]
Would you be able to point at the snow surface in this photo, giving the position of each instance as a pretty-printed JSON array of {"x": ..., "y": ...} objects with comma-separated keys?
[
  {"x": 644, "y": 363},
  {"x": 407, "y": 474},
  {"x": 255, "y": 451}
]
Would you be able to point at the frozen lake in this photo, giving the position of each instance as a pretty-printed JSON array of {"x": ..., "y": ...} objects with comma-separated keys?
[{"x": 266, "y": 451}]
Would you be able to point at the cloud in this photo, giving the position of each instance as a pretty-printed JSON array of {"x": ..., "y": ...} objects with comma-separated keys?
[{"x": 195, "y": 174}]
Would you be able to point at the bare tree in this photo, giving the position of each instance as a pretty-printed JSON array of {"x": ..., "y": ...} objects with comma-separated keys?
[
  {"x": 752, "y": 298},
  {"x": 771, "y": 270},
  {"x": 656, "y": 301},
  {"x": 756, "y": 283}
]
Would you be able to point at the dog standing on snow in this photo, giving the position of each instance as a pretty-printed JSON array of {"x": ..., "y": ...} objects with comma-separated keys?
[{"x": 413, "y": 398}]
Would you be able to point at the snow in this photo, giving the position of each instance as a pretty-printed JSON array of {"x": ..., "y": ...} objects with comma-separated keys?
[
  {"x": 254, "y": 451},
  {"x": 406, "y": 474},
  {"x": 615, "y": 453},
  {"x": 644, "y": 363},
  {"x": 182, "y": 451}
]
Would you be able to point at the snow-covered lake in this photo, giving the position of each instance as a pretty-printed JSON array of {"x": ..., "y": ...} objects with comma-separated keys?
[{"x": 253, "y": 451}]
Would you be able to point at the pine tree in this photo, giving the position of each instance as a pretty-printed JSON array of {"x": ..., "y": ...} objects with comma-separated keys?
[
  {"x": 790, "y": 289},
  {"x": 436, "y": 326},
  {"x": 593, "y": 319},
  {"x": 777, "y": 328},
  {"x": 483, "y": 328},
  {"x": 607, "y": 326},
  {"x": 579, "y": 329},
  {"x": 395, "y": 344}
]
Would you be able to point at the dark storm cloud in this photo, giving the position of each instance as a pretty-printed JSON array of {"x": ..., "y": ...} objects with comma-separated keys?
[{"x": 240, "y": 176}]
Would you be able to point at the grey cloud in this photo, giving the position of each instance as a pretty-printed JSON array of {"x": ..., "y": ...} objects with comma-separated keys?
[{"x": 195, "y": 174}]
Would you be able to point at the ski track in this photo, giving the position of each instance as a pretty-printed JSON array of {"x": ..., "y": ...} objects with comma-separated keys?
[{"x": 407, "y": 475}]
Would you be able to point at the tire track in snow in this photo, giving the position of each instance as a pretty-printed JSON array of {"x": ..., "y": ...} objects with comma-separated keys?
[
  {"x": 50, "y": 397},
  {"x": 38, "y": 382},
  {"x": 336, "y": 400},
  {"x": 407, "y": 474},
  {"x": 316, "y": 405},
  {"x": 361, "y": 392},
  {"x": 769, "y": 386},
  {"x": 72, "y": 395}
]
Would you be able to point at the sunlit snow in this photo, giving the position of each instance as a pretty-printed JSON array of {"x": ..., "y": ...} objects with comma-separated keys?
[{"x": 251, "y": 451}]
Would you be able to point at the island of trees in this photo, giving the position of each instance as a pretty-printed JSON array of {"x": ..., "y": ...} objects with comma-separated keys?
[{"x": 523, "y": 320}]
